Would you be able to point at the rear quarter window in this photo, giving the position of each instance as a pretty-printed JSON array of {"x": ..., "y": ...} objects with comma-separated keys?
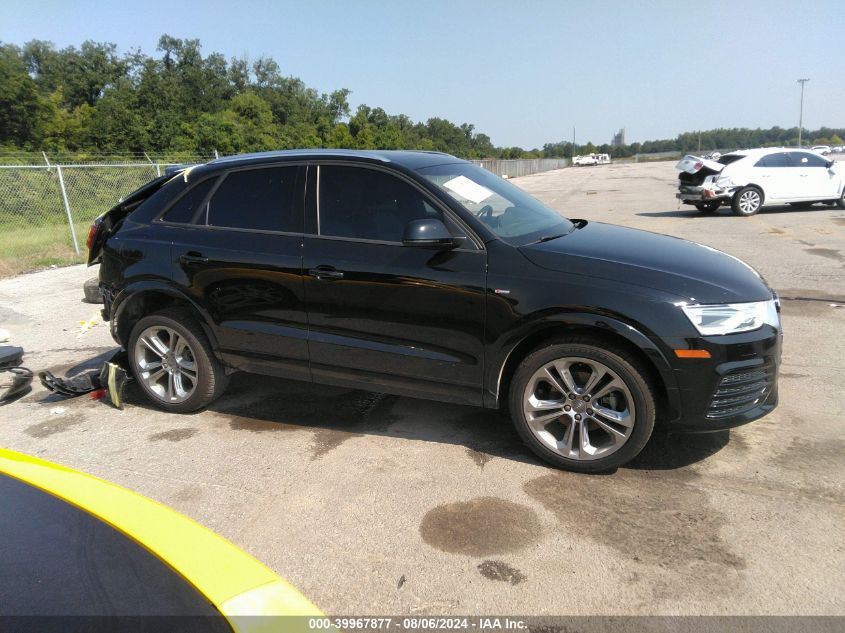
[
  {"x": 257, "y": 199},
  {"x": 806, "y": 159},
  {"x": 184, "y": 209}
]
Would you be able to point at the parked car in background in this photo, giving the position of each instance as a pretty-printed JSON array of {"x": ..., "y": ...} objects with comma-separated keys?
[
  {"x": 420, "y": 274},
  {"x": 824, "y": 150},
  {"x": 591, "y": 159},
  {"x": 748, "y": 180},
  {"x": 583, "y": 161}
]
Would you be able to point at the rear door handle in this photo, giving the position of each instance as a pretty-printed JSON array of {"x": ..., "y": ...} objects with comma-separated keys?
[
  {"x": 193, "y": 258},
  {"x": 325, "y": 273}
]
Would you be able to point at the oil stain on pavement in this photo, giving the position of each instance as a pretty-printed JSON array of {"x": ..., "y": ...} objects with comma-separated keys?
[
  {"x": 826, "y": 252},
  {"x": 174, "y": 435},
  {"x": 480, "y": 527},
  {"x": 478, "y": 457},
  {"x": 332, "y": 415},
  {"x": 500, "y": 571},
  {"x": 659, "y": 519},
  {"x": 59, "y": 424}
]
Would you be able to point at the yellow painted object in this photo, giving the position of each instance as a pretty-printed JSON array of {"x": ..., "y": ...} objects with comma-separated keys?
[{"x": 232, "y": 580}]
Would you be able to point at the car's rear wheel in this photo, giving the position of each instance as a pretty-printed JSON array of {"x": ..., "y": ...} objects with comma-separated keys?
[
  {"x": 172, "y": 361},
  {"x": 747, "y": 201},
  {"x": 708, "y": 207},
  {"x": 583, "y": 406}
]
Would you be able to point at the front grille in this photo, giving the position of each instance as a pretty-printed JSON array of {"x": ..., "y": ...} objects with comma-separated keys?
[{"x": 741, "y": 391}]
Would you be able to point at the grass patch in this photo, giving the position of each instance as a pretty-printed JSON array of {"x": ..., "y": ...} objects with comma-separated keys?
[{"x": 23, "y": 249}]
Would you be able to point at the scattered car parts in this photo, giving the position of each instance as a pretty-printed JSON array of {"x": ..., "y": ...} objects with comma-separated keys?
[
  {"x": 15, "y": 380},
  {"x": 113, "y": 377}
]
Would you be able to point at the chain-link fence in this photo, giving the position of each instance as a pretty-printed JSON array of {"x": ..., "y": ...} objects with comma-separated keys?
[{"x": 46, "y": 209}]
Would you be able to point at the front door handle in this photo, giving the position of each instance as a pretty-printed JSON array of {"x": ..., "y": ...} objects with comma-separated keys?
[
  {"x": 325, "y": 273},
  {"x": 193, "y": 257}
]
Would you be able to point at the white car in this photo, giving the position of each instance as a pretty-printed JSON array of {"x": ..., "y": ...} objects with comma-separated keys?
[
  {"x": 824, "y": 150},
  {"x": 751, "y": 179},
  {"x": 591, "y": 159},
  {"x": 583, "y": 161}
]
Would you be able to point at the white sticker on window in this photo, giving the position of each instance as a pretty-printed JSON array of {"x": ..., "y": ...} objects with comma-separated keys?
[{"x": 468, "y": 189}]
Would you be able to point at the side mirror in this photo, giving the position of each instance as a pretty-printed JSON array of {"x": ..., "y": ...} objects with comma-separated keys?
[
  {"x": 429, "y": 233},
  {"x": 829, "y": 164}
]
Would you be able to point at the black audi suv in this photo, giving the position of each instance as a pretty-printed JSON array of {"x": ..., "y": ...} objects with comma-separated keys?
[{"x": 420, "y": 274}]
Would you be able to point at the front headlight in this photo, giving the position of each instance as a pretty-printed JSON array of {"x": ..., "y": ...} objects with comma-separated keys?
[{"x": 730, "y": 318}]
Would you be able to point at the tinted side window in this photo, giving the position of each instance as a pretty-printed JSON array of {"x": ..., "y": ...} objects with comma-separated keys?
[
  {"x": 368, "y": 204},
  {"x": 186, "y": 206},
  {"x": 257, "y": 199},
  {"x": 806, "y": 159},
  {"x": 780, "y": 159}
]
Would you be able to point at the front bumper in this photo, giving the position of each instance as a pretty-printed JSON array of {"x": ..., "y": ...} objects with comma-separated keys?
[{"x": 736, "y": 385}]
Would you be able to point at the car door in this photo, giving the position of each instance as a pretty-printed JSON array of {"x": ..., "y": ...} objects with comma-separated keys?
[
  {"x": 775, "y": 173},
  {"x": 381, "y": 315},
  {"x": 237, "y": 252},
  {"x": 817, "y": 181}
]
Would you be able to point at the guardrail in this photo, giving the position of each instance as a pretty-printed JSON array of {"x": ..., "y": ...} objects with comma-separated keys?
[{"x": 514, "y": 168}]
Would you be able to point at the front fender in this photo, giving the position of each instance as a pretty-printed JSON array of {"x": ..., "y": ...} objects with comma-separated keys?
[{"x": 580, "y": 320}]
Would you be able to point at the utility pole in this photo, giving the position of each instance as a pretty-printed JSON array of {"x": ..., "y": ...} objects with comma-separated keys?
[
  {"x": 699, "y": 141},
  {"x": 801, "y": 114}
]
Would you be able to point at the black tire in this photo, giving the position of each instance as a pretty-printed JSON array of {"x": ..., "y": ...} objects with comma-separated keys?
[
  {"x": 628, "y": 367},
  {"x": 212, "y": 379},
  {"x": 91, "y": 289},
  {"x": 840, "y": 202},
  {"x": 747, "y": 201},
  {"x": 708, "y": 207}
]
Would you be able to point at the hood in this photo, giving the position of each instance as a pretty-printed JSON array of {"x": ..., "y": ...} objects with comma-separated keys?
[{"x": 694, "y": 272}]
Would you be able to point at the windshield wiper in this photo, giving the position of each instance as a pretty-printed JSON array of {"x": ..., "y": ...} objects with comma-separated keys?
[{"x": 547, "y": 238}]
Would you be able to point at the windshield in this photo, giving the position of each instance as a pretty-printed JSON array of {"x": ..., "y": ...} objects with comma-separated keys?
[{"x": 508, "y": 211}]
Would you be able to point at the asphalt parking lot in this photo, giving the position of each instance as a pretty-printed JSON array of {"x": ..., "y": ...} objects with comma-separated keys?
[{"x": 374, "y": 504}]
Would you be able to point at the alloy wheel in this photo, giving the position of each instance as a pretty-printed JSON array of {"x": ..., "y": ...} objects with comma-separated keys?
[
  {"x": 579, "y": 408},
  {"x": 165, "y": 364},
  {"x": 749, "y": 201}
]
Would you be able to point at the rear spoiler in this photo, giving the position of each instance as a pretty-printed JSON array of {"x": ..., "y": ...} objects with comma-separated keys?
[{"x": 171, "y": 170}]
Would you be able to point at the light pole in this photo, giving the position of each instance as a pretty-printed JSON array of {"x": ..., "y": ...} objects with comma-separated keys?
[{"x": 801, "y": 114}]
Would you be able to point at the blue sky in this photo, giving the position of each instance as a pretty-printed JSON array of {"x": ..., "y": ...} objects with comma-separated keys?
[{"x": 524, "y": 72}]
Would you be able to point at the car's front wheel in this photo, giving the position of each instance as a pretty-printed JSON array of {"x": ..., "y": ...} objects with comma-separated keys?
[
  {"x": 583, "y": 406},
  {"x": 840, "y": 202},
  {"x": 172, "y": 360},
  {"x": 747, "y": 201},
  {"x": 708, "y": 207}
]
